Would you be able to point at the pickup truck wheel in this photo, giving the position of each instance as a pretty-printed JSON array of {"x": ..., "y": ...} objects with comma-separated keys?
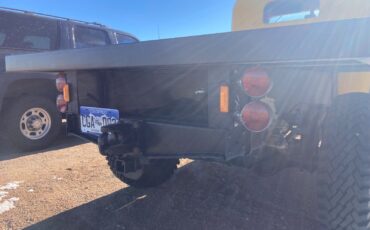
[
  {"x": 344, "y": 165},
  {"x": 32, "y": 123},
  {"x": 150, "y": 175}
]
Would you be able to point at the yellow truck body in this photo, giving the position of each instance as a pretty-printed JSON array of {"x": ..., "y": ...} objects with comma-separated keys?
[{"x": 251, "y": 14}]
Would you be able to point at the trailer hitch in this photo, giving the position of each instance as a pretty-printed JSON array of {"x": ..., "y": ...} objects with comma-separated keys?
[{"x": 125, "y": 139}]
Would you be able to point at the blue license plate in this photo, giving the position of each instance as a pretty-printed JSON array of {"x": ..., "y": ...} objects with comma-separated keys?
[{"x": 93, "y": 119}]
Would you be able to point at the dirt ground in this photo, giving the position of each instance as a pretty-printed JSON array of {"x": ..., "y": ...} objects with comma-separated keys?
[{"x": 70, "y": 187}]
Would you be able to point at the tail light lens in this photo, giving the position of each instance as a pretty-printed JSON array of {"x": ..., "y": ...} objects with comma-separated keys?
[
  {"x": 61, "y": 81},
  {"x": 256, "y": 82},
  {"x": 256, "y": 116},
  {"x": 61, "y": 104},
  {"x": 63, "y": 87}
]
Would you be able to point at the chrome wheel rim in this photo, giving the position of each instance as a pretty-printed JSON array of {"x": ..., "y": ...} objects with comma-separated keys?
[{"x": 35, "y": 123}]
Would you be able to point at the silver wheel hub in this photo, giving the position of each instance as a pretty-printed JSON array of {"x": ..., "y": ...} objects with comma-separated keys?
[
  {"x": 35, "y": 123},
  {"x": 135, "y": 175}
]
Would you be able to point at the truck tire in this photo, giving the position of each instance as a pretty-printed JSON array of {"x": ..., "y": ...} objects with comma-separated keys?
[
  {"x": 32, "y": 123},
  {"x": 151, "y": 175},
  {"x": 344, "y": 165}
]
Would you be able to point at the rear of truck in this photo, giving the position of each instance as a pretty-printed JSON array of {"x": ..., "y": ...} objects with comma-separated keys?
[
  {"x": 265, "y": 117},
  {"x": 249, "y": 115},
  {"x": 264, "y": 99}
]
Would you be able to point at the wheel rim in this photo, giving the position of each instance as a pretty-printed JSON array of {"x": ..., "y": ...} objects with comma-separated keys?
[{"x": 35, "y": 123}]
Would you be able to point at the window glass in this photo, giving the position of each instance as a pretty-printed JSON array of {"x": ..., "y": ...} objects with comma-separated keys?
[
  {"x": 289, "y": 10},
  {"x": 2, "y": 38},
  {"x": 37, "y": 42},
  {"x": 125, "y": 39},
  {"x": 27, "y": 32},
  {"x": 89, "y": 37}
]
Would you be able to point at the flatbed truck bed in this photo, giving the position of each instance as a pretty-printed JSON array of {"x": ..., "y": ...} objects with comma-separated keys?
[{"x": 323, "y": 43}]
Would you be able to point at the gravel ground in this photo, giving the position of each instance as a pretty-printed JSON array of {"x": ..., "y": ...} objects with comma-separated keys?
[{"x": 71, "y": 187}]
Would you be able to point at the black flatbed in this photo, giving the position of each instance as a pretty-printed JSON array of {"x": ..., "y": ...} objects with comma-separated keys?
[{"x": 338, "y": 42}]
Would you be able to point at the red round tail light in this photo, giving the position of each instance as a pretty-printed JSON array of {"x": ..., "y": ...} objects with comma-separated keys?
[
  {"x": 256, "y": 82},
  {"x": 61, "y": 81},
  {"x": 256, "y": 116},
  {"x": 62, "y": 105}
]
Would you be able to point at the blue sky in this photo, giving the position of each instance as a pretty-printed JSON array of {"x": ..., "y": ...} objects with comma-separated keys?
[{"x": 144, "y": 18}]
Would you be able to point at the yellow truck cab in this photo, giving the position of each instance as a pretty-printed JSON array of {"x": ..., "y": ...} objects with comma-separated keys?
[{"x": 261, "y": 14}]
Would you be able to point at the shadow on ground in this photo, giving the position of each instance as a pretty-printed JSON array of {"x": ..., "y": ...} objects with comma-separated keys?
[
  {"x": 8, "y": 152},
  {"x": 202, "y": 196}
]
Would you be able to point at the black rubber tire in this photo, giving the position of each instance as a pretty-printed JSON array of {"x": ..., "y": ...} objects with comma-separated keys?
[
  {"x": 154, "y": 174},
  {"x": 344, "y": 165},
  {"x": 13, "y": 116}
]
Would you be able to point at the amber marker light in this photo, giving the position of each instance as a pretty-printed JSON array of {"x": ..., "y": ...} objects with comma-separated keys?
[{"x": 224, "y": 99}]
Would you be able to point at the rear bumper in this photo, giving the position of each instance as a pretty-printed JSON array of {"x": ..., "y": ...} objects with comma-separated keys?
[
  {"x": 161, "y": 140},
  {"x": 166, "y": 139},
  {"x": 158, "y": 140}
]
